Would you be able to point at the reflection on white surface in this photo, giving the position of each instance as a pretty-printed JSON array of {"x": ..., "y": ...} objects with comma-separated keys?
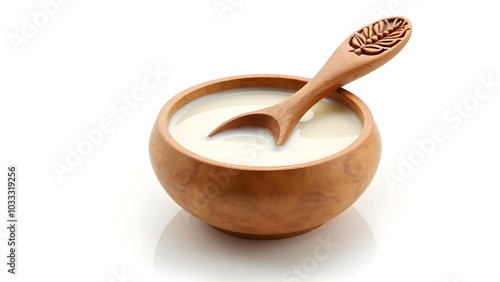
[{"x": 341, "y": 248}]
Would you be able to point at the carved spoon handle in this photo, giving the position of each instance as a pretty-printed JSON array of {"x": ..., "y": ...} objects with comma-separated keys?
[{"x": 364, "y": 51}]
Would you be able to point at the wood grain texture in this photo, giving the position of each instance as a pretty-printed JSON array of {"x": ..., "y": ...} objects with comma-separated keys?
[{"x": 264, "y": 202}]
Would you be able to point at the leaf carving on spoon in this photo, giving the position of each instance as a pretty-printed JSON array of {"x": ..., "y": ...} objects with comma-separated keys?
[{"x": 378, "y": 37}]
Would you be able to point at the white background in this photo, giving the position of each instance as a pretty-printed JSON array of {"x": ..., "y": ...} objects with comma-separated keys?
[{"x": 108, "y": 219}]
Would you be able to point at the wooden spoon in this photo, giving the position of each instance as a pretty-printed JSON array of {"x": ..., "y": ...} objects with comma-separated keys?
[{"x": 362, "y": 52}]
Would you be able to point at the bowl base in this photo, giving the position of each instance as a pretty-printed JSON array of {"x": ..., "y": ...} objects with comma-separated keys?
[{"x": 265, "y": 236}]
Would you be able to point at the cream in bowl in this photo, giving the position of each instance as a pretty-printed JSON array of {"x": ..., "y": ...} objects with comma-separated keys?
[
  {"x": 327, "y": 128},
  {"x": 263, "y": 191}
]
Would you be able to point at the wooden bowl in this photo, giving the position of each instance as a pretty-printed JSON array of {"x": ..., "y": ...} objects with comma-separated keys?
[{"x": 264, "y": 202}]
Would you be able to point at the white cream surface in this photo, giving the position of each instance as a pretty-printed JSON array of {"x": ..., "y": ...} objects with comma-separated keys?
[{"x": 327, "y": 128}]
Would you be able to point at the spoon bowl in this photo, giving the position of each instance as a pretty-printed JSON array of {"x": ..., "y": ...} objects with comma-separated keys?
[{"x": 364, "y": 51}]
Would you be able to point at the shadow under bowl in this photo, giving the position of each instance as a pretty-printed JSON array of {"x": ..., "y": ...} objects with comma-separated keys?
[{"x": 264, "y": 202}]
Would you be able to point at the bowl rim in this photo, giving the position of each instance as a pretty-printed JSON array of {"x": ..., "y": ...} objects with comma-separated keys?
[{"x": 357, "y": 106}]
